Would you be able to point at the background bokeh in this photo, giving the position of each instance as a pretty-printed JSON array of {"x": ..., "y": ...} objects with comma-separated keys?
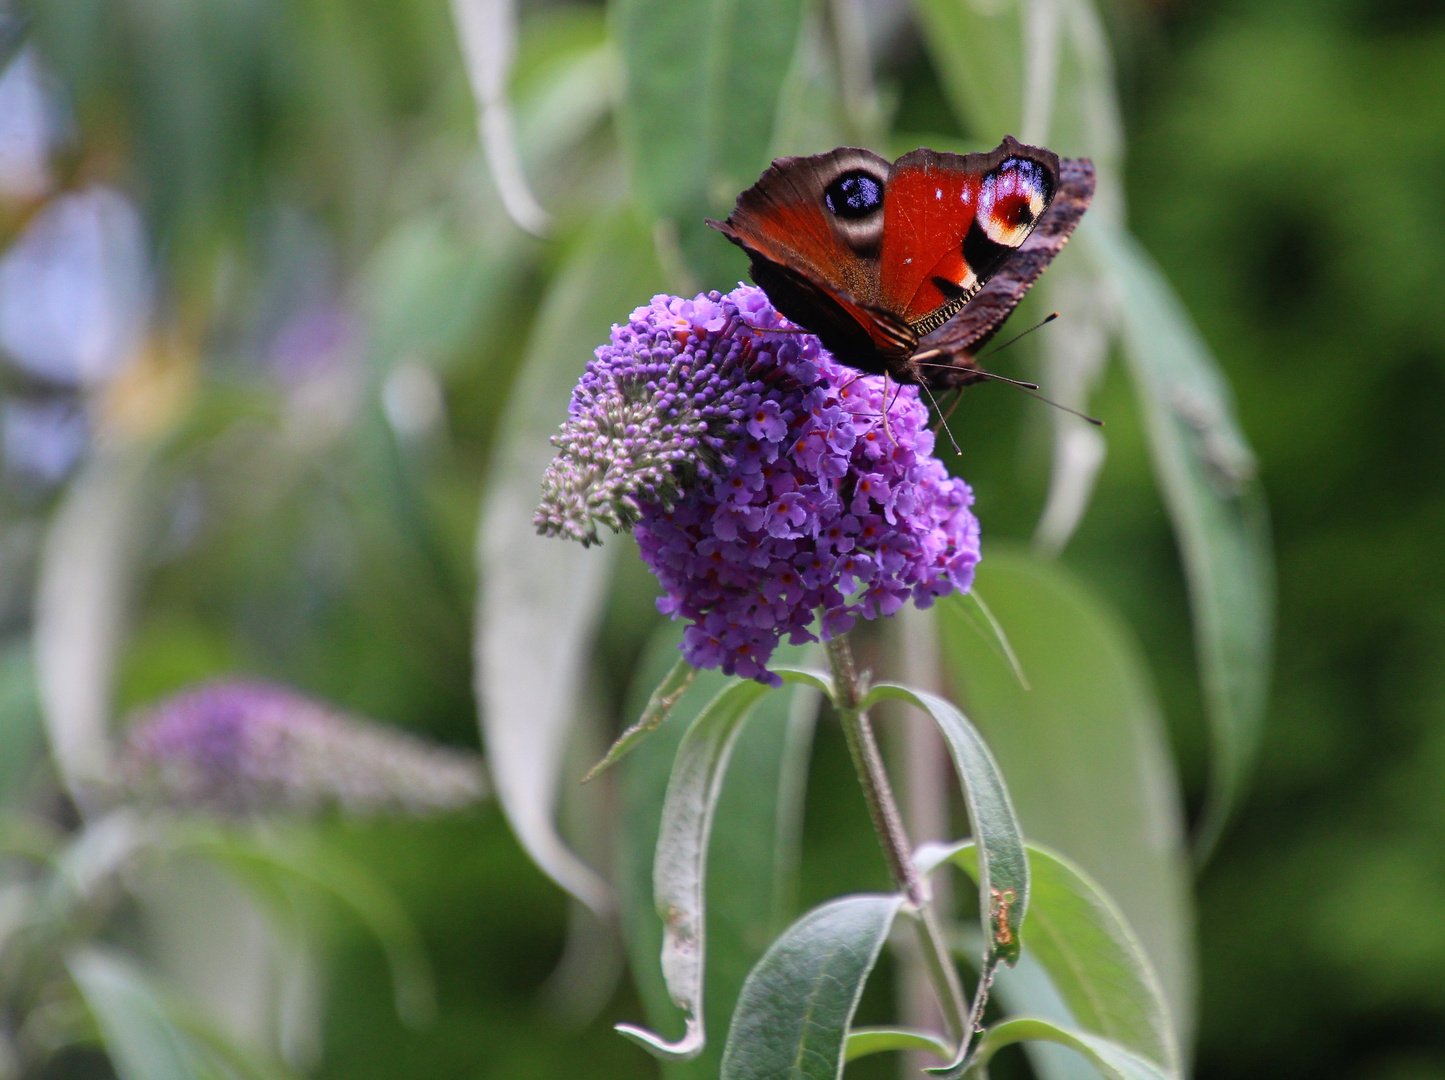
[{"x": 260, "y": 239}]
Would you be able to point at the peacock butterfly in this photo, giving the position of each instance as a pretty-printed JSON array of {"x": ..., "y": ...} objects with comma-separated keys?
[{"x": 909, "y": 268}]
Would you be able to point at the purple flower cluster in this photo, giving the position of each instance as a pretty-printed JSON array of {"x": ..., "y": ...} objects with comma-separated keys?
[
  {"x": 796, "y": 500},
  {"x": 240, "y": 747}
]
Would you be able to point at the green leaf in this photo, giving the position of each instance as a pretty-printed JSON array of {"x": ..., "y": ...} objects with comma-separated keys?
[
  {"x": 701, "y": 86},
  {"x": 1111, "y": 1059},
  {"x": 971, "y": 607},
  {"x": 977, "y": 50},
  {"x": 793, "y": 1015},
  {"x": 1003, "y": 881},
  {"x": 21, "y": 740},
  {"x": 87, "y": 561},
  {"x": 540, "y": 599},
  {"x": 752, "y": 859},
  {"x": 142, "y": 1041},
  {"x": 876, "y": 1040},
  {"x": 679, "y": 871},
  {"x": 659, "y": 705},
  {"x": 1083, "y": 942},
  {"x": 1084, "y": 750},
  {"x": 1207, "y": 472},
  {"x": 295, "y": 855}
]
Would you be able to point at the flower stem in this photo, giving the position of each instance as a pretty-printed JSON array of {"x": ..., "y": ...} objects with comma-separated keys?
[{"x": 888, "y": 824}]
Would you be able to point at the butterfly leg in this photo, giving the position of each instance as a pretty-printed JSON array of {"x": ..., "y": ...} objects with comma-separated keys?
[{"x": 887, "y": 405}]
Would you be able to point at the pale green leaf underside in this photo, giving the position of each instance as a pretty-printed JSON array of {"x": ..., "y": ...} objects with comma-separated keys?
[
  {"x": 1207, "y": 472},
  {"x": 792, "y": 1018},
  {"x": 1081, "y": 939},
  {"x": 1111, "y": 1059},
  {"x": 1004, "y": 880}
]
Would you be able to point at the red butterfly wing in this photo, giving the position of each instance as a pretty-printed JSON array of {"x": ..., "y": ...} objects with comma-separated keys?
[{"x": 952, "y": 220}]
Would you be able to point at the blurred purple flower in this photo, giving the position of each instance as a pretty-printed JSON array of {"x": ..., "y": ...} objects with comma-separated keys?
[
  {"x": 241, "y": 747},
  {"x": 759, "y": 477}
]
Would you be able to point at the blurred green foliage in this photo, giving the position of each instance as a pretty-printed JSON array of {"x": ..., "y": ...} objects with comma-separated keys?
[{"x": 1286, "y": 165}]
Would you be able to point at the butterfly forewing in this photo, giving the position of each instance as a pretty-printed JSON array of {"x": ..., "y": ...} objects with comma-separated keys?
[{"x": 953, "y": 220}]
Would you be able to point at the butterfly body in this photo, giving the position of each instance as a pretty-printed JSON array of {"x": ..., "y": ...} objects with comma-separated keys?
[{"x": 907, "y": 267}]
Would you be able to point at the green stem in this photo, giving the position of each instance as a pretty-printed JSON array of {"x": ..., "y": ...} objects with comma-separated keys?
[{"x": 888, "y": 824}]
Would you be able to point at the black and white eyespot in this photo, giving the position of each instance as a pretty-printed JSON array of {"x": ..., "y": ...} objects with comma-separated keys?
[{"x": 854, "y": 195}]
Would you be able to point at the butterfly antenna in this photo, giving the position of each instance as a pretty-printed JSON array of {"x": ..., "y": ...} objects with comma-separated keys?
[
  {"x": 1029, "y": 388},
  {"x": 943, "y": 420},
  {"x": 1015, "y": 340}
]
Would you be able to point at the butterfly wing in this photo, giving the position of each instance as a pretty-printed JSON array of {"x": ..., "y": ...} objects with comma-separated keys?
[
  {"x": 812, "y": 228},
  {"x": 871, "y": 256},
  {"x": 953, "y": 220},
  {"x": 970, "y": 329}
]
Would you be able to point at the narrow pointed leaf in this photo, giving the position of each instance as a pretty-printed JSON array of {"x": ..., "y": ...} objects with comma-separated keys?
[
  {"x": 977, "y": 50},
  {"x": 679, "y": 871},
  {"x": 1084, "y": 751},
  {"x": 540, "y": 598},
  {"x": 877, "y": 1040},
  {"x": 1081, "y": 939},
  {"x": 1111, "y": 1059},
  {"x": 1207, "y": 472},
  {"x": 659, "y": 705},
  {"x": 792, "y": 1018},
  {"x": 702, "y": 80},
  {"x": 139, "y": 1036},
  {"x": 971, "y": 607},
  {"x": 752, "y": 855},
  {"x": 1003, "y": 880}
]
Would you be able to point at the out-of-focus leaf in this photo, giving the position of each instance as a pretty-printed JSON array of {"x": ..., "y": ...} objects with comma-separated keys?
[
  {"x": 488, "y": 33},
  {"x": 1207, "y": 472},
  {"x": 1084, "y": 750},
  {"x": 752, "y": 860},
  {"x": 811, "y": 116},
  {"x": 972, "y": 609},
  {"x": 80, "y": 598},
  {"x": 12, "y": 35},
  {"x": 1090, "y": 954},
  {"x": 20, "y": 725},
  {"x": 540, "y": 598},
  {"x": 659, "y": 704},
  {"x": 426, "y": 291},
  {"x": 294, "y": 855},
  {"x": 142, "y": 1041},
  {"x": 1003, "y": 881},
  {"x": 977, "y": 49},
  {"x": 572, "y": 86},
  {"x": 679, "y": 868},
  {"x": 1111, "y": 1059},
  {"x": 151, "y": 1037},
  {"x": 877, "y": 1040},
  {"x": 701, "y": 85},
  {"x": 1086, "y": 120},
  {"x": 793, "y": 1014}
]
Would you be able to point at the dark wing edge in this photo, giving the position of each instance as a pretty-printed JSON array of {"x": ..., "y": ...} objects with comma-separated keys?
[{"x": 957, "y": 340}]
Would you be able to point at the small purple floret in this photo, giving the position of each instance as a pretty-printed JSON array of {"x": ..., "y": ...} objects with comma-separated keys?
[{"x": 793, "y": 500}]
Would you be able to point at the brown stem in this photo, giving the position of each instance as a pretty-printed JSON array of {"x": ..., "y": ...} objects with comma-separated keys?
[{"x": 888, "y": 824}]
